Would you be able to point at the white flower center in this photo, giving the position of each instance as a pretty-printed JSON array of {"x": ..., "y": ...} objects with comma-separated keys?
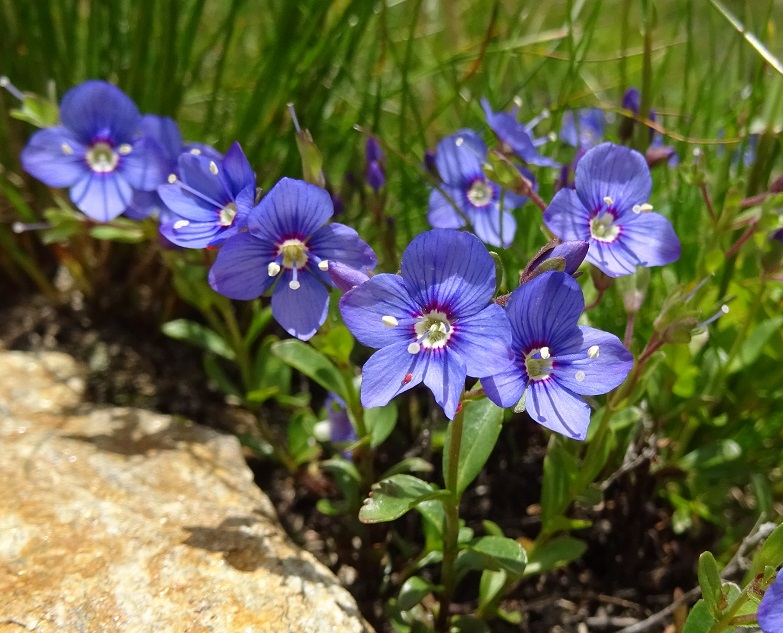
[
  {"x": 294, "y": 253},
  {"x": 538, "y": 363},
  {"x": 480, "y": 193},
  {"x": 102, "y": 158},
  {"x": 603, "y": 228},
  {"x": 433, "y": 331},
  {"x": 227, "y": 214}
]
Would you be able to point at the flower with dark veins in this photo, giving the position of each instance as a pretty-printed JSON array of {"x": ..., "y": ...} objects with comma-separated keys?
[
  {"x": 96, "y": 151},
  {"x": 556, "y": 361},
  {"x": 434, "y": 323},
  {"x": 610, "y": 210},
  {"x": 288, "y": 248},
  {"x": 518, "y": 137}
]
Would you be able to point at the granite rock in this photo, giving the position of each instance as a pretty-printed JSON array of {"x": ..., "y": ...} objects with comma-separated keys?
[{"x": 117, "y": 519}]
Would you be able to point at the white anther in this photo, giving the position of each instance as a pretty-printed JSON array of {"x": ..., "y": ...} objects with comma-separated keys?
[
  {"x": 552, "y": 136},
  {"x": 172, "y": 178},
  {"x": 294, "y": 284},
  {"x": 517, "y": 101},
  {"x": 544, "y": 351},
  {"x": 67, "y": 149},
  {"x": 608, "y": 200},
  {"x": 592, "y": 351},
  {"x": 724, "y": 308},
  {"x": 213, "y": 168},
  {"x": 180, "y": 224},
  {"x": 125, "y": 149},
  {"x": 389, "y": 321},
  {"x": 545, "y": 113},
  {"x": 323, "y": 265},
  {"x": 4, "y": 81},
  {"x": 272, "y": 269},
  {"x": 637, "y": 208},
  {"x": 459, "y": 141},
  {"x": 195, "y": 151},
  {"x": 414, "y": 348},
  {"x": 580, "y": 376},
  {"x": 646, "y": 207}
]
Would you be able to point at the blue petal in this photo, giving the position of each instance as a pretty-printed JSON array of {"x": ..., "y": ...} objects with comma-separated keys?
[
  {"x": 187, "y": 205},
  {"x": 363, "y": 308},
  {"x": 143, "y": 205},
  {"x": 345, "y": 277},
  {"x": 191, "y": 235},
  {"x": 196, "y": 172},
  {"x": 337, "y": 242},
  {"x": 483, "y": 341},
  {"x": 102, "y": 196},
  {"x": 614, "y": 259},
  {"x": 770, "y": 611},
  {"x": 146, "y": 166},
  {"x": 598, "y": 375},
  {"x": 237, "y": 171},
  {"x": 567, "y": 217},
  {"x": 613, "y": 171},
  {"x": 389, "y": 372},
  {"x": 165, "y": 132},
  {"x": 573, "y": 252},
  {"x": 43, "y": 157},
  {"x": 240, "y": 269},
  {"x": 441, "y": 213},
  {"x": 558, "y": 409},
  {"x": 445, "y": 376},
  {"x": 506, "y": 388},
  {"x": 651, "y": 237},
  {"x": 460, "y": 157},
  {"x": 302, "y": 311},
  {"x": 487, "y": 226},
  {"x": 292, "y": 209},
  {"x": 516, "y": 135},
  {"x": 450, "y": 270},
  {"x": 97, "y": 110},
  {"x": 544, "y": 312}
]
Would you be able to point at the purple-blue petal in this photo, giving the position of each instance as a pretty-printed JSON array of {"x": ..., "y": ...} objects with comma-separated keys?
[
  {"x": 187, "y": 205},
  {"x": 165, "y": 132},
  {"x": 588, "y": 376},
  {"x": 460, "y": 157},
  {"x": 292, "y": 209},
  {"x": 389, "y": 372},
  {"x": 445, "y": 376},
  {"x": 239, "y": 271},
  {"x": 146, "y": 166},
  {"x": 441, "y": 213},
  {"x": 101, "y": 196},
  {"x": 483, "y": 341},
  {"x": 614, "y": 259},
  {"x": 97, "y": 110},
  {"x": 573, "y": 252},
  {"x": 44, "y": 159},
  {"x": 493, "y": 227},
  {"x": 770, "y": 611},
  {"x": 345, "y": 277},
  {"x": 337, "y": 242},
  {"x": 506, "y": 388},
  {"x": 237, "y": 172},
  {"x": 302, "y": 311},
  {"x": 558, "y": 409},
  {"x": 197, "y": 172},
  {"x": 651, "y": 237},
  {"x": 567, "y": 217}
]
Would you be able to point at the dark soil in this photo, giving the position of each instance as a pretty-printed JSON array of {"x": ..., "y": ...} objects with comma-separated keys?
[{"x": 634, "y": 562}]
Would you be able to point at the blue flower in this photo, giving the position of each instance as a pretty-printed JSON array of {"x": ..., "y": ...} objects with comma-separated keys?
[
  {"x": 165, "y": 132},
  {"x": 556, "y": 360},
  {"x": 459, "y": 161},
  {"x": 609, "y": 210},
  {"x": 337, "y": 427},
  {"x": 210, "y": 200},
  {"x": 288, "y": 249},
  {"x": 96, "y": 151},
  {"x": 770, "y": 611},
  {"x": 375, "y": 172},
  {"x": 583, "y": 129},
  {"x": 517, "y": 137},
  {"x": 434, "y": 324}
]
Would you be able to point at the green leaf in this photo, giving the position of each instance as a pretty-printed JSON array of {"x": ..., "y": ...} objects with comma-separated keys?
[
  {"x": 380, "y": 422},
  {"x": 37, "y": 110},
  {"x": 393, "y": 497},
  {"x": 301, "y": 443},
  {"x": 337, "y": 344},
  {"x": 710, "y": 456},
  {"x": 261, "y": 318},
  {"x": 753, "y": 346},
  {"x": 560, "y": 470},
  {"x": 129, "y": 232},
  {"x": 710, "y": 583},
  {"x": 198, "y": 335},
  {"x": 413, "y": 591},
  {"x": 218, "y": 374},
  {"x": 312, "y": 163},
  {"x": 699, "y": 619},
  {"x": 501, "y": 552},
  {"x": 490, "y": 590},
  {"x": 553, "y": 554},
  {"x": 311, "y": 363},
  {"x": 481, "y": 428},
  {"x": 770, "y": 554},
  {"x": 409, "y": 465},
  {"x": 468, "y": 624}
]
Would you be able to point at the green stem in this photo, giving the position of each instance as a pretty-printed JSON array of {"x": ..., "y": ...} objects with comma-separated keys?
[
  {"x": 726, "y": 617},
  {"x": 451, "y": 528}
]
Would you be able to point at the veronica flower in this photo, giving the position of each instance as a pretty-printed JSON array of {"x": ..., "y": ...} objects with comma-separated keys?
[
  {"x": 770, "y": 611},
  {"x": 459, "y": 161},
  {"x": 556, "y": 361},
  {"x": 433, "y": 324},
  {"x": 210, "y": 199},
  {"x": 337, "y": 427},
  {"x": 517, "y": 137},
  {"x": 609, "y": 210},
  {"x": 375, "y": 172},
  {"x": 288, "y": 249},
  {"x": 165, "y": 132},
  {"x": 584, "y": 128},
  {"x": 95, "y": 151}
]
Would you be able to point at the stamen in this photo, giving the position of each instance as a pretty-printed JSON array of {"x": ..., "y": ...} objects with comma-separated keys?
[
  {"x": 544, "y": 114},
  {"x": 67, "y": 149},
  {"x": 592, "y": 351},
  {"x": 6, "y": 83},
  {"x": 125, "y": 149},
  {"x": 272, "y": 269},
  {"x": 172, "y": 178},
  {"x": 724, "y": 309},
  {"x": 639, "y": 208},
  {"x": 179, "y": 224},
  {"x": 22, "y": 227},
  {"x": 390, "y": 321},
  {"x": 195, "y": 151},
  {"x": 608, "y": 200},
  {"x": 414, "y": 348},
  {"x": 580, "y": 376},
  {"x": 324, "y": 265},
  {"x": 213, "y": 169},
  {"x": 459, "y": 141},
  {"x": 544, "y": 351},
  {"x": 293, "y": 118},
  {"x": 294, "y": 283}
]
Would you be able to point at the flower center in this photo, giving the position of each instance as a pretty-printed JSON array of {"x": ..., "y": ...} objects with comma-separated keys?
[
  {"x": 538, "y": 363},
  {"x": 480, "y": 193},
  {"x": 294, "y": 253},
  {"x": 603, "y": 229},
  {"x": 227, "y": 214},
  {"x": 102, "y": 158},
  {"x": 433, "y": 331}
]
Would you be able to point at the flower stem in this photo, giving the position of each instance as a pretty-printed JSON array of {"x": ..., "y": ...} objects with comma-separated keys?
[{"x": 451, "y": 528}]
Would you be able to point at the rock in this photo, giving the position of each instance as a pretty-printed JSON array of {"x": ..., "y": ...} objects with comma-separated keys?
[{"x": 117, "y": 519}]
